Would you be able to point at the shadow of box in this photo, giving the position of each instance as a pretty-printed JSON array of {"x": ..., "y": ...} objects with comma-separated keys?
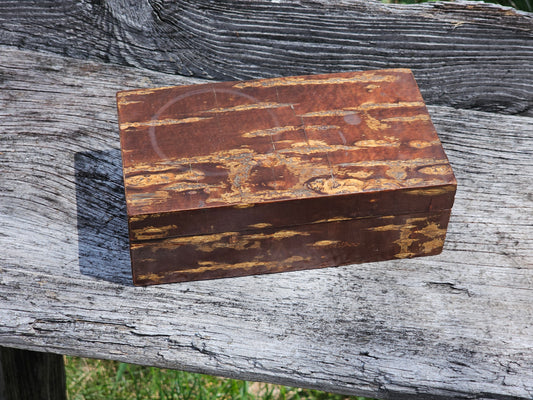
[{"x": 103, "y": 246}]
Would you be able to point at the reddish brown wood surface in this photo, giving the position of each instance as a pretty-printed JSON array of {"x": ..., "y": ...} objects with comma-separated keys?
[
  {"x": 230, "y": 254},
  {"x": 314, "y": 153}
]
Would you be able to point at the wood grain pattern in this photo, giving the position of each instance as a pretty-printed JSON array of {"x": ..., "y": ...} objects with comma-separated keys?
[
  {"x": 464, "y": 54},
  {"x": 456, "y": 325},
  {"x": 243, "y": 151},
  {"x": 246, "y": 216},
  {"x": 327, "y": 244}
]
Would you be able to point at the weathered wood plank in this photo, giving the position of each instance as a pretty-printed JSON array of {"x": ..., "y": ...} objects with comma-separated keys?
[
  {"x": 455, "y": 325},
  {"x": 464, "y": 54}
]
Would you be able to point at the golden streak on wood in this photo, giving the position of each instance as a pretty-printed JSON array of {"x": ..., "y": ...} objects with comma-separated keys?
[
  {"x": 162, "y": 122},
  {"x": 246, "y": 107},
  {"x": 187, "y": 241},
  {"x": 334, "y": 186},
  {"x": 378, "y": 106},
  {"x": 416, "y": 162},
  {"x": 270, "y": 131},
  {"x": 416, "y": 219},
  {"x": 244, "y": 205},
  {"x": 140, "y": 181},
  {"x": 363, "y": 107},
  {"x": 416, "y": 181},
  {"x": 153, "y": 232},
  {"x": 225, "y": 240},
  {"x": 327, "y": 113},
  {"x": 420, "y": 117},
  {"x": 432, "y": 245},
  {"x": 212, "y": 266},
  {"x": 300, "y": 81},
  {"x": 337, "y": 219},
  {"x": 313, "y": 147},
  {"x": 234, "y": 243},
  {"x": 314, "y": 143},
  {"x": 422, "y": 144},
  {"x": 237, "y": 155},
  {"x": 432, "y": 191},
  {"x": 287, "y": 234},
  {"x": 141, "y": 217},
  {"x": 321, "y": 127},
  {"x": 406, "y": 254},
  {"x": 370, "y": 88},
  {"x": 237, "y": 167},
  {"x": 287, "y": 141},
  {"x": 300, "y": 148},
  {"x": 432, "y": 230},
  {"x": 206, "y": 263},
  {"x": 390, "y": 227},
  {"x": 148, "y": 198},
  {"x": 377, "y": 143},
  {"x": 156, "y": 167},
  {"x": 229, "y": 156},
  {"x": 374, "y": 124},
  {"x": 405, "y": 240},
  {"x": 408, "y": 230},
  {"x": 153, "y": 278},
  {"x": 363, "y": 174},
  {"x": 333, "y": 219},
  {"x": 437, "y": 181},
  {"x": 123, "y": 102},
  {"x": 299, "y": 189},
  {"x": 265, "y": 195},
  {"x": 185, "y": 186},
  {"x": 279, "y": 235},
  {"x": 324, "y": 243},
  {"x": 436, "y": 170},
  {"x": 232, "y": 197},
  {"x": 260, "y": 225},
  {"x": 238, "y": 245}
]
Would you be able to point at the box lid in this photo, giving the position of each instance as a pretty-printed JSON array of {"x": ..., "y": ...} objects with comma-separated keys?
[{"x": 236, "y": 156}]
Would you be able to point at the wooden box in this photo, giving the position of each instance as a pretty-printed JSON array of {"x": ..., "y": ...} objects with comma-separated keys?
[{"x": 238, "y": 178}]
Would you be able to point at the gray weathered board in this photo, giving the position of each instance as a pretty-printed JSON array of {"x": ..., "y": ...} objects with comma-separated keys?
[
  {"x": 464, "y": 54},
  {"x": 455, "y": 325}
]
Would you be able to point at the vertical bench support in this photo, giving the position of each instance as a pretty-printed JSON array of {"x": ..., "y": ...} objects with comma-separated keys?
[{"x": 28, "y": 374}]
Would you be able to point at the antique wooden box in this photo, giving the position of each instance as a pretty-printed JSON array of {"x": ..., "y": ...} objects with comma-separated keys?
[{"x": 238, "y": 178}]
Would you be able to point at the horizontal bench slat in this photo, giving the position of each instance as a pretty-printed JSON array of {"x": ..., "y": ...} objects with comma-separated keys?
[
  {"x": 463, "y": 54},
  {"x": 454, "y": 325}
]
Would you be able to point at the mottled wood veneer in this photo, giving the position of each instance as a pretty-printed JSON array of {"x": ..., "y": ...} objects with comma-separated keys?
[{"x": 238, "y": 178}]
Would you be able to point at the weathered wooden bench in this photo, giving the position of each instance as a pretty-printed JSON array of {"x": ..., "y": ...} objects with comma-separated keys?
[{"x": 457, "y": 325}]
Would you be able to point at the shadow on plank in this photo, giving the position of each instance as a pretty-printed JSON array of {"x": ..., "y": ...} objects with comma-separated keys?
[{"x": 103, "y": 245}]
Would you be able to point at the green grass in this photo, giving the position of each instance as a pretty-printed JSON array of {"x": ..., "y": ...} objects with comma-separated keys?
[{"x": 89, "y": 379}]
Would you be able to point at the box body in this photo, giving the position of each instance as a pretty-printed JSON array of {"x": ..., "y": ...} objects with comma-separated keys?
[{"x": 238, "y": 178}]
